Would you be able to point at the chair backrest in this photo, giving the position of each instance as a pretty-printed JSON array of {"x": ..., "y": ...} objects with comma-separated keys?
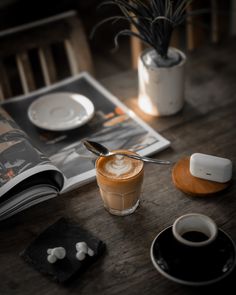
[{"x": 42, "y": 52}]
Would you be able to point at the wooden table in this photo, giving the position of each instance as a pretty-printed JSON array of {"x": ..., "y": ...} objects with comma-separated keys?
[{"x": 207, "y": 125}]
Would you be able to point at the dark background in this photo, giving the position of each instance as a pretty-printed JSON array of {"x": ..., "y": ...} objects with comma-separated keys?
[{"x": 17, "y": 12}]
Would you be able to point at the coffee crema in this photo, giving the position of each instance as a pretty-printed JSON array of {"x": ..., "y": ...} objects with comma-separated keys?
[{"x": 120, "y": 167}]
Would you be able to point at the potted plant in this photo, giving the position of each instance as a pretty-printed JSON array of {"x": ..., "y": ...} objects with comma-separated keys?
[{"x": 160, "y": 67}]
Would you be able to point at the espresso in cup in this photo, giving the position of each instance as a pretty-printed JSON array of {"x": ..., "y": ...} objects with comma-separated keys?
[
  {"x": 120, "y": 181},
  {"x": 194, "y": 229}
]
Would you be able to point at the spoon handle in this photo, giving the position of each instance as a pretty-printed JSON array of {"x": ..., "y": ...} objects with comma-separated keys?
[{"x": 146, "y": 159}]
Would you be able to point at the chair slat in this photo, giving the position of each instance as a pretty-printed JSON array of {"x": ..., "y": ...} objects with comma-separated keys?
[
  {"x": 1, "y": 94},
  {"x": 47, "y": 65},
  {"x": 4, "y": 83},
  {"x": 25, "y": 72},
  {"x": 80, "y": 45},
  {"x": 214, "y": 21},
  {"x": 74, "y": 68},
  {"x": 136, "y": 49},
  {"x": 190, "y": 31}
]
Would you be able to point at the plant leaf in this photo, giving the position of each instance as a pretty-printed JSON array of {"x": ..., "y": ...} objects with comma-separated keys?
[
  {"x": 131, "y": 34},
  {"x": 153, "y": 20}
]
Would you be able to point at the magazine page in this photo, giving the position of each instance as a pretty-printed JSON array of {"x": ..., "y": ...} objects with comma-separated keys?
[
  {"x": 30, "y": 197},
  {"x": 113, "y": 125},
  {"x": 21, "y": 164}
]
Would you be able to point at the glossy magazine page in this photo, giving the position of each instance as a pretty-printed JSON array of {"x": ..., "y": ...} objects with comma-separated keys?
[
  {"x": 27, "y": 176},
  {"x": 19, "y": 159},
  {"x": 112, "y": 124}
]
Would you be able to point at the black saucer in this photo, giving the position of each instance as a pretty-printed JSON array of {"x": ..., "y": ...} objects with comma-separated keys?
[{"x": 195, "y": 266}]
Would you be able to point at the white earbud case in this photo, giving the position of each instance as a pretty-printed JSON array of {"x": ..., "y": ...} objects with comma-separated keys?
[{"x": 210, "y": 167}]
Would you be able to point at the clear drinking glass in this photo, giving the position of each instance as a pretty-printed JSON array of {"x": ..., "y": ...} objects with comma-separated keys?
[{"x": 120, "y": 192}]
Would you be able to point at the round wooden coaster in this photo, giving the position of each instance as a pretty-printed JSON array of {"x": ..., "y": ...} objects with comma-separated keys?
[{"x": 191, "y": 185}]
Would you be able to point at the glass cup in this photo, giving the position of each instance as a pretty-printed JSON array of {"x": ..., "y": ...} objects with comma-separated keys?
[{"x": 120, "y": 181}]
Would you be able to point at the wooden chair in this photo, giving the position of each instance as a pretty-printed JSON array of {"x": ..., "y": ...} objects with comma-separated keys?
[
  {"x": 42, "y": 52},
  {"x": 195, "y": 33}
]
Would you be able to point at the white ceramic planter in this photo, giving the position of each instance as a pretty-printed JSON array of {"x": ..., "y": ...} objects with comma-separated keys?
[{"x": 161, "y": 90}]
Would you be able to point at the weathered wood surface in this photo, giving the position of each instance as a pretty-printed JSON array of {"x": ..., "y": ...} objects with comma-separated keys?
[{"x": 207, "y": 125}]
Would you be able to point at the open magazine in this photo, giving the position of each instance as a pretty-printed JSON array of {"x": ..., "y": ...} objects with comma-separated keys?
[{"x": 37, "y": 164}]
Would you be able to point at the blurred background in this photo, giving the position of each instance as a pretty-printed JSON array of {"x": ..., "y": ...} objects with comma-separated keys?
[{"x": 215, "y": 25}]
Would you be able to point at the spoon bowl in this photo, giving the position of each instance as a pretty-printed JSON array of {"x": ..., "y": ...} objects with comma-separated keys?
[{"x": 101, "y": 151}]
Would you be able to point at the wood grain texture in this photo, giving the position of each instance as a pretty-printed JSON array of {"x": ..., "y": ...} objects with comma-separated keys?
[
  {"x": 191, "y": 185},
  {"x": 205, "y": 125}
]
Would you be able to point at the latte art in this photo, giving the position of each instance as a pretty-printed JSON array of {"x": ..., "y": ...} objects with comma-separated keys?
[
  {"x": 118, "y": 165},
  {"x": 120, "y": 180}
]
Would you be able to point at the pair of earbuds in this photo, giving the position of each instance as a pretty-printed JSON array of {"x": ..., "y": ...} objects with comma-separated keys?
[{"x": 60, "y": 252}]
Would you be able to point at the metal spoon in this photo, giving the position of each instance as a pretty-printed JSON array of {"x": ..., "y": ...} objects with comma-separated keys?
[{"x": 101, "y": 151}]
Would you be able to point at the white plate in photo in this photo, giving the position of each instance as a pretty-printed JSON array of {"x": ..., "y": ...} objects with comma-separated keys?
[{"x": 61, "y": 111}]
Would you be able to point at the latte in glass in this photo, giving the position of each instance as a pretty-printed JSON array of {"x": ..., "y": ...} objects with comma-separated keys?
[{"x": 120, "y": 181}]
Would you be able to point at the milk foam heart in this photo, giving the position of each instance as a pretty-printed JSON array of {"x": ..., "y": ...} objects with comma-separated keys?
[{"x": 118, "y": 165}]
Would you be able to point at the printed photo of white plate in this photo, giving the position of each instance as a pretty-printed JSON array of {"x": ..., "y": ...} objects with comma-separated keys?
[{"x": 61, "y": 111}]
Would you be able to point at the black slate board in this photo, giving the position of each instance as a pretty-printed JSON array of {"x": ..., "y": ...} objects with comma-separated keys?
[{"x": 62, "y": 234}]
